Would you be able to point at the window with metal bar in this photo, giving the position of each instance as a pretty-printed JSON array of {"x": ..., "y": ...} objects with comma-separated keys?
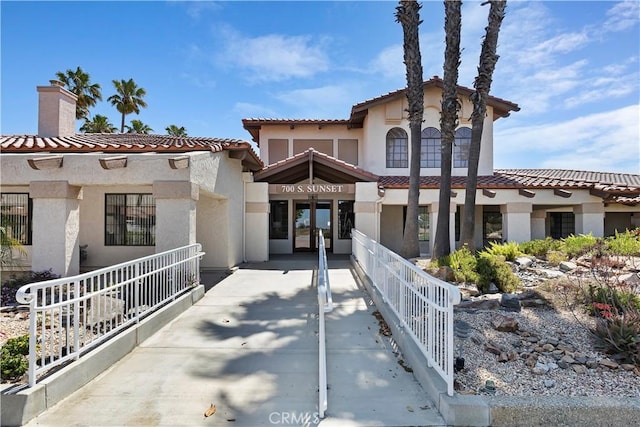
[
  {"x": 423, "y": 222},
  {"x": 397, "y": 148},
  {"x": 16, "y": 211},
  {"x": 461, "y": 148},
  {"x": 430, "y": 150},
  {"x": 346, "y": 218},
  {"x": 130, "y": 220}
]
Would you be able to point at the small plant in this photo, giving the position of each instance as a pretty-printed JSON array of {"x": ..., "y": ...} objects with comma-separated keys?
[
  {"x": 575, "y": 246},
  {"x": 510, "y": 251},
  {"x": 11, "y": 286},
  {"x": 626, "y": 244},
  {"x": 619, "y": 336},
  {"x": 495, "y": 269},
  {"x": 556, "y": 257},
  {"x": 463, "y": 264},
  {"x": 540, "y": 248},
  {"x": 13, "y": 357}
]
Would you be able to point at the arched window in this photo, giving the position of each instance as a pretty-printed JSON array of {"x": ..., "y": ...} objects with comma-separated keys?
[
  {"x": 430, "y": 152},
  {"x": 397, "y": 148},
  {"x": 461, "y": 148}
]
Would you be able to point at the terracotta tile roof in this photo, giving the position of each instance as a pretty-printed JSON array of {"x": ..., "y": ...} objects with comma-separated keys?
[
  {"x": 123, "y": 143},
  {"x": 501, "y": 107},
  {"x": 621, "y": 188},
  {"x": 253, "y": 125},
  {"x": 328, "y": 162}
]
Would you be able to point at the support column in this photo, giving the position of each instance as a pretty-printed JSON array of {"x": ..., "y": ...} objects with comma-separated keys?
[
  {"x": 538, "y": 225},
  {"x": 175, "y": 214},
  {"x": 367, "y": 209},
  {"x": 516, "y": 222},
  {"x": 590, "y": 219},
  {"x": 56, "y": 227},
  {"x": 257, "y": 221},
  {"x": 433, "y": 224}
]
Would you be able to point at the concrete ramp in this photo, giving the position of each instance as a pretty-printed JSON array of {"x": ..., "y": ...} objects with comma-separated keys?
[{"x": 250, "y": 347}]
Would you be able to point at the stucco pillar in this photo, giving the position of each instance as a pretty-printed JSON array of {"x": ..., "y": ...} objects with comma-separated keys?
[
  {"x": 516, "y": 222},
  {"x": 257, "y": 221},
  {"x": 589, "y": 219},
  {"x": 56, "y": 227},
  {"x": 367, "y": 209},
  {"x": 433, "y": 223},
  {"x": 175, "y": 213},
  {"x": 538, "y": 226}
]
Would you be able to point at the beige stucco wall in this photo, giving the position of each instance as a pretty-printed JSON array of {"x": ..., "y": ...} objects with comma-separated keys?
[{"x": 257, "y": 221}]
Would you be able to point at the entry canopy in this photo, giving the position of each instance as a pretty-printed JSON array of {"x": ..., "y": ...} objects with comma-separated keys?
[{"x": 312, "y": 164}]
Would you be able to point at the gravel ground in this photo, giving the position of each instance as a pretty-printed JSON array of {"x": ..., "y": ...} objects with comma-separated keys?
[{"x": 516, "y": 378}]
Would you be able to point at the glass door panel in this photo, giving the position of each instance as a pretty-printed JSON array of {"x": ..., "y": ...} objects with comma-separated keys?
[
  {"x": 323, "y": 222},
  {"x": 303, "y": 230}
]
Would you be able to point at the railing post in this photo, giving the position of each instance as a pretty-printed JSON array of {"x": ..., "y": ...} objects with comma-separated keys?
[
  {"x": 76, "y": 319},
  {"x": 136, "y": 291},
  {"x": 32, "y": 340}
]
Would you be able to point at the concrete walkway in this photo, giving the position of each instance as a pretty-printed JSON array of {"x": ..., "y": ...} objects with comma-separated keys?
[{"x": 250, "y": 347}]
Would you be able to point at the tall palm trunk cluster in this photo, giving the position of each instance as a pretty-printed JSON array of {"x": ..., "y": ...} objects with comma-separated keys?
[
  {"x": 482, "y": 84},
  {"x": 448, "y": 121},
  {"x": 408, "y": 14}
]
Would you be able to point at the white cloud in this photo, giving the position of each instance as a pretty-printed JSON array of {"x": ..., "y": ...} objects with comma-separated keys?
[
  {"x": 622, "y": 16},
  {"x": 249, "y": 110},
  {"x": 327, "y": 102},
  {"x": 275, "y": 57},
  {"x": 603, "y": 141}
]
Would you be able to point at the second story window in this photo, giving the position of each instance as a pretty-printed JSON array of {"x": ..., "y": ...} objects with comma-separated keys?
[
  {"x": 397, "y": 148},
  {"x": 461, "y": 148},
  {"x": 430, "y": 152}
]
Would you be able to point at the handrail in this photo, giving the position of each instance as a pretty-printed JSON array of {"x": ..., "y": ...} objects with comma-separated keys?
[
  {"x": 325, "y": 305},
  {"x": 71, "y": 315},
  {"x": 422, "y": 303}
]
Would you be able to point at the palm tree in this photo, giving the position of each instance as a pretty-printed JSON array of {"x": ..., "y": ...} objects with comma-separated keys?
[
  {"x": 78, "y": 82},
  {"x": 482, "y": 84},
  {"x": 174, "y": 130},
  {"x": 138, "y": 127},
  {"x": 448, "y": 122},
  {"x": 408, "y": 14},
  {"x": 128, "y": 99},
  {"x": 99, "y": 124}
]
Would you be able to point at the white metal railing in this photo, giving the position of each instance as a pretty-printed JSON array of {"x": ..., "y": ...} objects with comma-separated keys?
[
  {"x": 423, "y": 304},
  {"x": 71, "y": 315},
  {"x": 325, "y": 305}
]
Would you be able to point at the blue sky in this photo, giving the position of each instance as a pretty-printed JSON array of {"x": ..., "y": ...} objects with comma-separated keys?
[{"x": 572, "y": 66}]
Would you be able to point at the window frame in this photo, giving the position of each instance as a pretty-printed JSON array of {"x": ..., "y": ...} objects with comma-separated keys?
[
  {"x": 125, "y": 239},
  {"x": 422, "y": 210},
  {"x": 345, "y": 217},
  {"x": 397, "y": 148},
  {"x": 25, "y": 237},
  {"x": 430, "y": 148},
  {"x": 283, "y": 230},
  {"x": 461, "y": 146}
]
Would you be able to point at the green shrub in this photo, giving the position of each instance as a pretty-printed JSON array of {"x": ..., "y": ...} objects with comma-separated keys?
[
  {"x": 540, "y": 248},
  {"x": 463, "y": 264},
  {"x": 11, "y": 286},
  {"x": 575, "y": 246},
  {"x": 494, "y": 269},
  {"x": 627, "y": 243},
  {"x": 619, "y": 300},
  {"x": 619, "y": 336},
  {"x": 510, "y": 251},
  {"x": 556, "y": 257},
  {"x": 13, "y": 360}
]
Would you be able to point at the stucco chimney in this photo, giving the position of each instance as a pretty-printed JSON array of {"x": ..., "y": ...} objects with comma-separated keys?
[{"x": 56, "y": 110}]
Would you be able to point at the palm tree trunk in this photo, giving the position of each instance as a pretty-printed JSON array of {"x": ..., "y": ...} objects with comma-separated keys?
[
  {"x": 482, "y": 84},
  {"x": 122, "y": 124},
  {"x": 408, "y": 14},
  {"x": 448, "y": 122}
]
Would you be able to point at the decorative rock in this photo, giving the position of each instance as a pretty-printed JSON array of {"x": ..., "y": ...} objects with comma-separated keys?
[
  {"x": 468, "y": 290},
  {"x": 523, "y": 262},
  {"x": 494, "y": 348},
  {"x": 540, "y": 369},
  {"x": 446, "y": 273},
  {"x": 510, "y": 302},
  {"x": 481, "y": 304},
  {"x": 552, "y": 365},
  {"x": 493, "y": 289},
  {"x": 563, "y": 364},
  {"x": 628, "y": 366},
  {"x": 591, "y": 363},
  {"x": 568, "y": 359},
  {"x": 631, "y": 279},
  {"x": 504, "y": 324},
  {"x": 609, "y": 364},
  {"x": 567, "y": 266},
  {"x": 477, "y": 338},
  {"x": 579, "y": 369},
  {"x": 503, "y": 357},
  {"x": 548, "y": 347},
  {"x": 550, "y": 274},
  {"x": 531, "y": 361},
  {"x": 548, "y": 383}
]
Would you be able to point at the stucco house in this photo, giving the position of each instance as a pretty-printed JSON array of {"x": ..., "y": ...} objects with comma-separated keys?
[{"x": 130, "y": 195}]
